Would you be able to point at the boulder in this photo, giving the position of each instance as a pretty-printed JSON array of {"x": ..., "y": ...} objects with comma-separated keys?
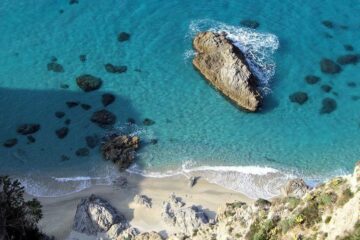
[
  {"x": 326, "y": 88},
  {"x": 148, "y": 122},
  {"x": 62, "y": 132},
  {"x": 82, "y": 152},
  {"x": 186, "y": 219},
  {"x": 225, "y": 67},
  {"x": 28, "y": 128},
  {"x": 328, "y": 105},
  {"x": 250, "y": 23},
  {"x": 121, "y": 150},
  {"x": 299, "y": 97},
  {"x": 115, "y": 69},
  {"x": 10, "y": 142},
  {"x": 329, "y": 66},
  {"x": 311, "y": 79},
  {"x": 59, "y": 114},
  {"x": 95, "y": 215},
  {"x": 55, "y": 67},
  {"x": 193, "y": 180},
  {"x": 72, "y": 104},
  {"x": 328, "y": 24},
  {"x": 82, "y": 58},
  {"x": 107, "y": 99},
  {"x": 85, "y": 106},
  {"x": 148, "y": 236},
  {"x": 143, "y": 200},
  {"x": 103, "y": 118},
  {"x": 92, "y": 141},
  {"x": 295, "y": 188},
  {"x": 348, "y": 59},
  {"x": 88, "y": 82},
  {"x": 348, "y": 47},
  {"x": 123, "y": 36}
]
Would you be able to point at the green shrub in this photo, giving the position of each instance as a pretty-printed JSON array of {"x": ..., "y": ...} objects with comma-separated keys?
[
  {"x": 327, "y": 219},
  {"x": 293, "y": 202},
  {"x": 18, "y": 218},
  {"x": 311, "y": 214},
  {"x": 347, "y": 194},
  {"x": 286, "y": 224}
]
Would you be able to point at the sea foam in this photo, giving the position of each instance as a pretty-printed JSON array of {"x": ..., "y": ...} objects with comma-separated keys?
[{"x": 258, "y": 47}]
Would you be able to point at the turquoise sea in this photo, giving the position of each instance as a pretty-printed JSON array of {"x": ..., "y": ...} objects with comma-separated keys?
[{"x": 197, "y": 130}]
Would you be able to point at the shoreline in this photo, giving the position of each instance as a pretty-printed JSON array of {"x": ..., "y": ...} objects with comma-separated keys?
[{"x": 59, "y": 212}]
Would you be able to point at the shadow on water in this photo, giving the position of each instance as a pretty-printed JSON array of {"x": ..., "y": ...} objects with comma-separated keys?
[{"x": 41, "y": 157}]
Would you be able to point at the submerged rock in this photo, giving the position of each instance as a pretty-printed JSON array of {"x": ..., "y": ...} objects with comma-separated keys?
[
  {"x": 73, "y": 2},
  {"x": 72, "y": 104},
  {"x": 311, "y": 79},
  {"x": 107, "y": 99},
  {"x": 351, "y": 84},
  {"x": 10, "y": 142},
  {"x": 85, "y": 106},
  {"x": 329, "y": 66},
  {"x": 92, "y": 141},
  {"x": 88, "y": 82},
  {"x": 82, "y": 152},
  {"x": 148, "y": 122},
  {"x": 95, "y": 215},
  {"x": 29, "y": 128},
  {"x": 328, "y": 24},
  {"x": 348, "y": 59},
  {"x": 225, "y": 66},
  {"x": 121, "y": 150},
  {"x": 328, "y": 105},
  {"x": 59, "y": 114},
  {"x": 55, "y": 67},
  {"x": 326, "y": 88},
  {"x": 295, "y": 188},
  {"x": 64, "y": 86},
  {"x": 82, "y": 58},
  {"x": 143, "y": 200},
  {"x": 67, "y": 121},
  {"x": 299, "y": 97},
  {"x": 103, "y": 118},
  {"x": 123, "y": 36},
  {"x": 30, "y": 139},
  {"x": 115, "y": 69},
  {"x": 348, "y": 47},
  {"x": 250, "y": 23},
  {"x": 62, "y": 132}
]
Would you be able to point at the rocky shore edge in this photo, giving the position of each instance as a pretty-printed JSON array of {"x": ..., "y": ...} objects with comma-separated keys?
[{"x": 329, "y": 211}]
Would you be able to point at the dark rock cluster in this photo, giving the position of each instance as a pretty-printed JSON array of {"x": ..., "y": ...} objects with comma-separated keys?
[{"x": 121, "y": 150}]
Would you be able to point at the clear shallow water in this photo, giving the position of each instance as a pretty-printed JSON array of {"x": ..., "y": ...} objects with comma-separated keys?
[{"x": 195, "y": 125}]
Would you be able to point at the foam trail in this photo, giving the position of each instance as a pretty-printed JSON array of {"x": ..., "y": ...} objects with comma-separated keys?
[{"x": 257, "y": 47}]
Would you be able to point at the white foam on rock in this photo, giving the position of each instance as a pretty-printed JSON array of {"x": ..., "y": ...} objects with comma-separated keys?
[{"x": 258, "y": 47}]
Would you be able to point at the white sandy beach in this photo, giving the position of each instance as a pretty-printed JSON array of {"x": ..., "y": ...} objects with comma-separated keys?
[{"x": 59, "y": 211}]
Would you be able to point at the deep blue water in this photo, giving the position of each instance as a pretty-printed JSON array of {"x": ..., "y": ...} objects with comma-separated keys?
[{"x": 195, "y": 126}]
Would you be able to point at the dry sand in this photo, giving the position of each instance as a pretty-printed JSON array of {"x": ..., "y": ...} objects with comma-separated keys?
[{"x": 59, "y": 211}]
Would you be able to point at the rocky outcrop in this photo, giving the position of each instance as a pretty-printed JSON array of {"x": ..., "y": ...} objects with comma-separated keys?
[
  {"x": 225, "y": 67},
  {"x": 330, "y": 211},
  {"x": 88, "y": 82},
  {"x": 295, "y": 188},
  {"x": 143, "y": 200},
  {"x": 148, "y": 236},
  {"x": 95, "y": 215},
  {"x": 121, "y": 150},
  {"x": 176, "y": 214}
]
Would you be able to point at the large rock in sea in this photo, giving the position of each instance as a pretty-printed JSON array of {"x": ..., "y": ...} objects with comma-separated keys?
[
  {"x": 121, "y": 150},
  {"x": 95, "y": 215},
  {"x": 225, "y": 67}
]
